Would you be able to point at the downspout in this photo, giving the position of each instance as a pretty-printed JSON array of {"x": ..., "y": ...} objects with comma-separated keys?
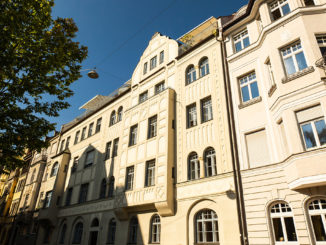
[{"x": 233, "y": 142}]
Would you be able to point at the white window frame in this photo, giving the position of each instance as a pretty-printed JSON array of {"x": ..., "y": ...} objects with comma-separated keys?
[
  {"x": 130, "y": 174},
  {"x": 150, "y": 173},
  {"x": 247, "y": 80},
  {"x": 314, "y": 130},
  {"x": 159, "y": 87},
  {"x": 289, "y": 51},
  {"x": 90, "y": 158},
  {"x": 320, "y": 211},
  {"x": 133, "y": 135},
  {"x": 190, "y": 74},
  {"x": 321, "y": 41},
  {"x": 193, "y": 166},
  {"x": 239, "y": 38},
  {"x": 152, "y": 127},
  {"x": 143, "y": 97},
  {"x": 155, "y": 229},
  {"x": 153, "y": 63},
  {"x": 210, "y": 155},
  {"x": 205, "y": 220},
  {"x": 191, "y": 116},
  {"x": 278, "y": 4},
  {"x": 145, "y": 68},
  {"x": 161, "y": 56},
  {"x": 203, "y": 67},
  {"x": 207, "y": 110}
]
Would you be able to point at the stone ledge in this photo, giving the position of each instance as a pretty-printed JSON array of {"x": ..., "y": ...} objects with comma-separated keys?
[
  {"x": 250, "y": 102},
  {"x": 272, "y": 90},
  {"x": 298, "y": 74}
]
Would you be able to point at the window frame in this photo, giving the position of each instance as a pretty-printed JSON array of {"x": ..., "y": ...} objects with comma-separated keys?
[
  {"x": 312, "y": 122},
  {"x": 150, "y": 173},
  {"x": 77, "y": 238},
  {"x": 212, "y": 156},
  {"x": 203, "y": 220},
  {"x": 155, "y": 229},
  {"x": 68, "y": 196},
  {"x": 67, "y": 142},
  {"x": 76, "y": 137},
  {"x": 130, "y": 174},
  {"x": 152, "y": 127},
  {"x": 83, "y": 192},
  {"x": 98, "y": 125},
  {"x": 111, "y": 187},
  {"x": 103, "y": 189},
  {"x": 133, "y": 230},
  {"x": 321, "y": 41},
  {"x": 203, "y": 67},
  {"x": 119, "y": 114},
  {"x": 112, "y": 228},
  {"x": 209, "y": 109},
  {"x": 90, "y": 129},
  {"x": 240, "y": 38},
  {"x": 193, "y": 166},
  {"x": 145, "y": 68},
  {"x": 160, "y": 87},
  {"x": 88, "y": 164},
  {"x": 115, "y": 147},
  {"x": 133, "y": 133},
  {"x": 143, "y": 97},
  {"x": 190, "y": 74},
  {"x": 279, "y": 7},
  {"x": 113, "y": 118},
  {"x": 83, "y": 135},
  {"x": 47, "y": 199},
  {"x": 108, "y": 150},
  {"x": 321, "y": 212},
  {"x": 192, "y": 115},
  {"x": 153, "y": 63},
  {"x": 54, "y": 169},
  {"x": 161, "y": 59},
  {"x": 248, "y": 79}
]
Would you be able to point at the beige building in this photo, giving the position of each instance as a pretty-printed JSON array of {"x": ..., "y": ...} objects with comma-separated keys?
[{"x": 279, "y": 103}]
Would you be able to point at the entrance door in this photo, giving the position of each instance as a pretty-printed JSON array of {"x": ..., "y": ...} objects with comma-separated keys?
[{"x": 93, "y": 238}]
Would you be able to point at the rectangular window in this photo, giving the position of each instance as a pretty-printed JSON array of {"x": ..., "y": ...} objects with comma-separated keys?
[
  {"x": 153, "y": 63},
  {"x": 62, "y": 147},
  {"x": 161, "y": 57},
  {"x": 279, "y": 8},
  {"x": 312, "y": 125},
  {"x": 241, "y": 40},
  {"x": 83, "y": 193},
  {"x": 249, "y": 87},
  {"x": 152, "y": 127},
  {"x": 26, "y": 201},
  {"x": 321, "y": 40},
  {"x": 67, "y": 143},
  {"x": 107, "y": 150},
  {"x": 74, "y": 165},
  {"x": 129, "y": 178},
  {"x": 191, "y": 116},
  {"x": 89, "y": 158},
  {"x": 159, "y": 87},
  {"x": 76, "y": 137},
  {"x": 47, "y": 199},
  {"x": 309, "y": 2},
  {"x": 133, "y": 135},
  {"x": 40, "y": 200},
  {"x": 270, "y": 73},
  {"x": 83, "y": 134},
  {"x": 68, "y": 197},
  {"x": 150, "y": 173},
  {"x": 206, "y": 110},
  {"x": 145, "y": 68},
  {"x": 115, "y": 147},
  {"x": 98, "y": 125},
  {"x": 293, "y": 58},
  {"x": 143, "y": 97},
  {"x": 90, "y": 129}
]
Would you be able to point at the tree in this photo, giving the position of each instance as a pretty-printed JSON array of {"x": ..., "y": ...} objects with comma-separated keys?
[{"x": 38, "y": 60}]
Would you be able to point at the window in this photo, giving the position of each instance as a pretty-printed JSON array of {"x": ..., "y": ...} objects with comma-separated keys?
[
  {"x": 95, "y": 223},
  {"x": 270, "y": 73},
  {"x": 129, "y": 178},
  {"x": 153, "y": 63},
  {"x": 293, "y": 58},
  {"x": 54, "y": 169},
  {"x": 112, "y": 118},
  {"x": 309, "y": 2},
  {"x": 33, "y": 176},
  {"x": 120, "y": 113},
  {"x": 89, "y": 158},
  {"x": 279, "y": 8},
  {"x": 241, "y": 40},
  {"x": 74, "y": 165},
  {"x": 76, "y": 137},
  {"x": 111, "y": 187},
  {"x": 321, "y": 40},
  {"x": 203, "y": 67},
  {"x": 159, "y": 87},
  {"x": 83, "y": 134},
  {"x": 283, "y": 223},
  {"x": 317, "y": 213},
  {"x": 193, "y": 166},
  {"x": 312, "y": 125},
  {"x": 161, "y": 57},
  {"x": 152, "y": 127},
  {"x": 63, "y": 234},
  {"x": 145, "y": 68},
  {"x": 191, "y": 116},
  {"x": 26, "y": 201},
  {"x": 62, "y": 145},
  {"x": 155, "y": 229},
  {"x": 206, "y": 110},
  {"x": 210, "y": 162},
  {"x": 107, "y": 150},
  {"x": 115, "y": 147},
  {"x": 133, "y": 135},
  {"x": 68, "y": 197},
  {"x": 14, "y": 208},
  {"x": 206, "y": 226},
  {"x": 47, "y": 199},
  {"x": 133, "y": 228},
  {"x": 150, "y": 173},
  {"x": 78, "y": 233},
  {"x": 190, "y": 74},
  {"x": 249, "y": 87},
  {"x": 98, "y": 125},
  {"x": 143, "y": 97},
  {"x": 83, "y": 193},
  {"x": 111, "y": 231},
  {"x": 103, "y": 188},
  {"x": 90, "y": 129},
  {"x": 67, "y": 142}
]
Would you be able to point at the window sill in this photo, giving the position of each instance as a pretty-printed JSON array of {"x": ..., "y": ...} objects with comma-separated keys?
[
  {"x": 298, "y": 74},
  {"x": 272, "y": 90},
  {"x": 250, "y": 102}
]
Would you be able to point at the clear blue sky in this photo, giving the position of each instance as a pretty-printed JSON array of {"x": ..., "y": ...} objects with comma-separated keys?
[{"x": 105, "y": 24}]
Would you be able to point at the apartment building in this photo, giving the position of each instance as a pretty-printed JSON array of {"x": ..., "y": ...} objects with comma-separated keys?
[{"x": 279, "y": 103}]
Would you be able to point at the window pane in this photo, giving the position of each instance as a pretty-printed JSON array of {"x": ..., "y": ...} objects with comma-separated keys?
[
  {"x": 238, "y": 47},
  {"x": 276, "y": 14},
  {"x": 308, "y": 135},
  {"x": 254, "y": 90},
  {"x": 290, "y": 230},
  {"x": 289, "y": 65},
  {"x": 321, "y": 130},
  {"x": 323, "y": 50},
  {"x": 318, "y": 228},
  {"x": 278, "y": 232},
  {"x": 246, "y": 42},
  {"x": 301, "y": 61},
  {"x": 286, "y": 9},
  {"x": 245, "y": 94}
]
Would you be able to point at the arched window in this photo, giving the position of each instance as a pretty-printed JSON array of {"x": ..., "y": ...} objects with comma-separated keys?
[
  {"x": 190, "y": 74},
  {"x": 133, "y": 228},
  {"x": 63, "y": 234},
  {"x": 120, "y": 113},
  {"x": 54, "y": 169},
  {"x": 155, "y": 229},
  {"x": 111, "y": 231},
  {"x": 111, "y": 187},
  {"x": 206, "y": 226},
  {"x": 317, "y": 213},
  {"x": 283, "y": 223},
  {"x": 193, "y": 166},
  {"x": 103, "y": 188},
  {"x": 210, "y": 162},
  {"x": 95, "y": 223},
  {"x": 112, "y": 118},
  {"x": 203, "y": 67},
  {"x": 78, "y": 233}
]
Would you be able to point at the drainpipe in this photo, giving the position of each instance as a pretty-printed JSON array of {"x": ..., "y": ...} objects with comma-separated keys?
[{"x": 234, "y": 146}]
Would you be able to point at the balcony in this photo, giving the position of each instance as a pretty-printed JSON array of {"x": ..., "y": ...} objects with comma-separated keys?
[{"x": 306, "y": 169}]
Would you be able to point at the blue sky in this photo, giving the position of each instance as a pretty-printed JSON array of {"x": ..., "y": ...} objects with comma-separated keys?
[{"x": 105, "y": 24}]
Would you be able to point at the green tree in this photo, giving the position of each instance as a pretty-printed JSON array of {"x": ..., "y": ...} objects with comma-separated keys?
[{"x": 38, "y": 59}]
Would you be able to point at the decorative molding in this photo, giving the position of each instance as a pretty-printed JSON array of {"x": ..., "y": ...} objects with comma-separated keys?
[
  {"x": 272, "y": 90},
  {"x": 298, "y": 74},
  {"x": 250, "y": 102}
]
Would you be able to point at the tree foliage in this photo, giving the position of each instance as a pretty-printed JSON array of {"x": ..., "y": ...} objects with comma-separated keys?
[{"x": 38, "y": 58}]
